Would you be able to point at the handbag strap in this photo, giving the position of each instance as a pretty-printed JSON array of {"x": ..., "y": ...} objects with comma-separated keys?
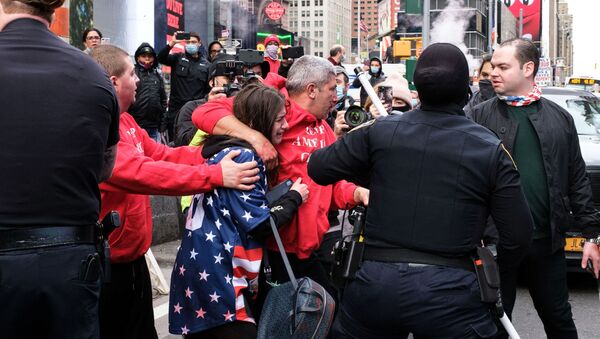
[{"x": 286, "y": 262}]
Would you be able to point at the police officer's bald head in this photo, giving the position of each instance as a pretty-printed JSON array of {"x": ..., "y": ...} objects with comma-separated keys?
[{"x": 442, "y": 75}]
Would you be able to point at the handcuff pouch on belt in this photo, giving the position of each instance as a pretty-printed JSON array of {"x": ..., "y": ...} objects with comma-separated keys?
[
  {"x": 347, "y": 254},
  {"x": 488, "y": 274},
  {"x": 103, "y": 230}
]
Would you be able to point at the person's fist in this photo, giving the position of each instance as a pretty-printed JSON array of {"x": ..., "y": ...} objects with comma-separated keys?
[{"x": 301, "y": 188}]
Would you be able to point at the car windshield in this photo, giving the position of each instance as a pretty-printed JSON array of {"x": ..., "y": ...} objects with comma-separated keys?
[{"x": 585, "y": 111}]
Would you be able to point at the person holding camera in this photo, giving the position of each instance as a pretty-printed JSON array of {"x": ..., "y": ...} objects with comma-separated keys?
[
  {"x": 220, "y": 87},
  {"x": 434, "y": 177},
  {"x": 226, "y": 228},
  {"x": 60, "y": 128},
  {"x": 189, "y": 75}
]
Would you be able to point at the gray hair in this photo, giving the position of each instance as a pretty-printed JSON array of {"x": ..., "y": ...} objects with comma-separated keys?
[{"x": 308, "y": 70}]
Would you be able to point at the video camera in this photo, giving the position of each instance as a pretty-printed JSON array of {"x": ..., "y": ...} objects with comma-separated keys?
[
  {"x": 356, "y": 115},
  {"x": 231, "y": 69}
]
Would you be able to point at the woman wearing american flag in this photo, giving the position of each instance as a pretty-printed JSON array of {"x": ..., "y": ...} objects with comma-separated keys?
[{"x": 218, "y": 263}]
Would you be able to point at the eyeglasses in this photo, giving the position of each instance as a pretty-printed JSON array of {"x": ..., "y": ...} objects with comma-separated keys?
[{"x": 93, "y": 38}]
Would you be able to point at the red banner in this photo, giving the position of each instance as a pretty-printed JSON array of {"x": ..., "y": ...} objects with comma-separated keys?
[{"x": 532, "y": 16}]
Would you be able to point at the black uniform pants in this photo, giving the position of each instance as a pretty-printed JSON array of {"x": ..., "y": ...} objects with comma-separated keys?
[
  {"x": 391, "y": 300},
  {"x": 546, "y": 277},
  {"x": 126, "y": 303},
  {"x": 50, "y": 292}
]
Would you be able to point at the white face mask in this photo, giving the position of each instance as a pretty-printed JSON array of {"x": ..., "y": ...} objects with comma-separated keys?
[{"x": 271, "y": 51}]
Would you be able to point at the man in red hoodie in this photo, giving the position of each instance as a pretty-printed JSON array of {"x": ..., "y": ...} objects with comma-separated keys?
[
  {"x": 145, "y": 167},
  {"x": 311, "y": 96}
]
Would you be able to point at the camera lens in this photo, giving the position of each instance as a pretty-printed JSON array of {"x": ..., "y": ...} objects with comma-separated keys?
[{"x": 355, "y": 116}]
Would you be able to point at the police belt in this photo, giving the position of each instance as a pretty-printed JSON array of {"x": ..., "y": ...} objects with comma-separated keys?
[
  {"x": 405, "y": 255},
  {"x": 38, "y": 237}
]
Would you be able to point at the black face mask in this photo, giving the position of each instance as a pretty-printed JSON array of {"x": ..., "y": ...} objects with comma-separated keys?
[{"x": 404, "y": 108}]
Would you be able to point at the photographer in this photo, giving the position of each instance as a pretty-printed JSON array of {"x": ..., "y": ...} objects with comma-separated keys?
[
  {"x": 434, "y": 177},
  {"x": 184, "y": 128}
]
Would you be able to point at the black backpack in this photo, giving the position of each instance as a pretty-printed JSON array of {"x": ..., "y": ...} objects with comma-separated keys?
[{"x": 296, "y": 309}]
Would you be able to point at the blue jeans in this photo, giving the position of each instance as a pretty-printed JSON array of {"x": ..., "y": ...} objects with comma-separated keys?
[{"x": 391, "y": 300}]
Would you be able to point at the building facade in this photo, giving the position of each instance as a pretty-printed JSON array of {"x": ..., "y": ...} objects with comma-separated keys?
[{"x": 321, "y": 24}]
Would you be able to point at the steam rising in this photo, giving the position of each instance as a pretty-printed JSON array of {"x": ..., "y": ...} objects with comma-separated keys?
[{"x": 450, "y": 27}]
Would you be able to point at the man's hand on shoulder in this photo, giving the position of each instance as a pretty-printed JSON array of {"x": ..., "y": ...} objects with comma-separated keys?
[{"x": 239, "y": 176}]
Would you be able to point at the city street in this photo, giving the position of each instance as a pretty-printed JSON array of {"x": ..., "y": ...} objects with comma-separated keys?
[{"x": 583, "y": 292}]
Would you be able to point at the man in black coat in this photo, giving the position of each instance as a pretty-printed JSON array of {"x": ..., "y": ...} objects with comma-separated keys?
[
  {"x": 150, "y": 104},
  {"x": 434, "y": 177},
  {"x": 543, "y": 140}
]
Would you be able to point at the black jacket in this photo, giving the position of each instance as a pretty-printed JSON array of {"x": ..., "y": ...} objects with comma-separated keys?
[
  {"x": 434, "y": 177},
  {"x": 189, "y": 78},
  {"x": 184, "y": 127},
  {"x": 150, "y": 96},
  {"x": 568, "y": 185}
]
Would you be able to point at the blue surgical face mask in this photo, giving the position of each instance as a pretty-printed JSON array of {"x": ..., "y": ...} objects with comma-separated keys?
[
  {"x": 374, "y": 69},
  {"x": 191, "y": 48},
  {"x": 414, "y": 102},
  {"x": 339, "y": 91}
]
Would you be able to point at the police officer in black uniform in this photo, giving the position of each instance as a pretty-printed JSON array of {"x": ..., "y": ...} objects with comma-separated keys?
[
  {"x": 434, "y": 178},
  {"x": 59, "y": 121}
]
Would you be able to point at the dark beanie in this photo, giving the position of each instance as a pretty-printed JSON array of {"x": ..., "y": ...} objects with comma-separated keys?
[{"x": 442, "y": 75}]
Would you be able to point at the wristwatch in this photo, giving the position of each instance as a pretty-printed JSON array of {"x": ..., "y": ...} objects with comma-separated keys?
[{"x": 595, "y": 241}]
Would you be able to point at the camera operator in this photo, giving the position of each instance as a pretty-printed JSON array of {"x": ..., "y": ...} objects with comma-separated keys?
[
  {"x": 434, "y": 177},
  {"x": 184, "y": 128}
]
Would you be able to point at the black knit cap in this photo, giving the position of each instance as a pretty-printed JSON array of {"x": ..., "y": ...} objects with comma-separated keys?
[{"x": 442, "y": 75}]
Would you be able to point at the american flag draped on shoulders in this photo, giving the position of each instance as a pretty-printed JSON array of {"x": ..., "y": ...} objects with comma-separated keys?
[{"x": 217, "y": 261}]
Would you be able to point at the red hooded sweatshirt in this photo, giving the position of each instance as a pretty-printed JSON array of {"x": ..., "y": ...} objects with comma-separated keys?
[
  {"x": 145, "y": 167},
  {"x": 305, "y": 135}
]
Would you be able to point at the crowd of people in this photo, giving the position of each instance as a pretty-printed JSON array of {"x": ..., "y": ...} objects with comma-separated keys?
[{"x": 437, "y": 175}]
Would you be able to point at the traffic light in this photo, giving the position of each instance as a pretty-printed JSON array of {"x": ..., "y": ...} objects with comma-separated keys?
[{"x": 401, "y": 49}]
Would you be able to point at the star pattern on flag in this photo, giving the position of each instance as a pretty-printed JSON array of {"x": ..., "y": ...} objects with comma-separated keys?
[
  {"x": 214, "y": 297},
  {"x": 223, "y": 248},
  {"x": 204, "y": 275},
  {"x": 210, "y": 236},
  {"x": 200, "y": 313},
  {"x": 228, "y": 316},
  {"x": 247, "y": 216},
  {"x": 218, "y": 258}
]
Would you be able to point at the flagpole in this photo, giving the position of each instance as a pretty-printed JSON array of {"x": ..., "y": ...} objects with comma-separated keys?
[{"x": 358, "y": 32}]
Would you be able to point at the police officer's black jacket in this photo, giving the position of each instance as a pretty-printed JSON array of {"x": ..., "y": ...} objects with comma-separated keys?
[
  {"x": 150, "y": 98},
  {"x": 568, "y": 186},
  {"x": 189, "y": 78},
  {"x": 434, "y": 177}
]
